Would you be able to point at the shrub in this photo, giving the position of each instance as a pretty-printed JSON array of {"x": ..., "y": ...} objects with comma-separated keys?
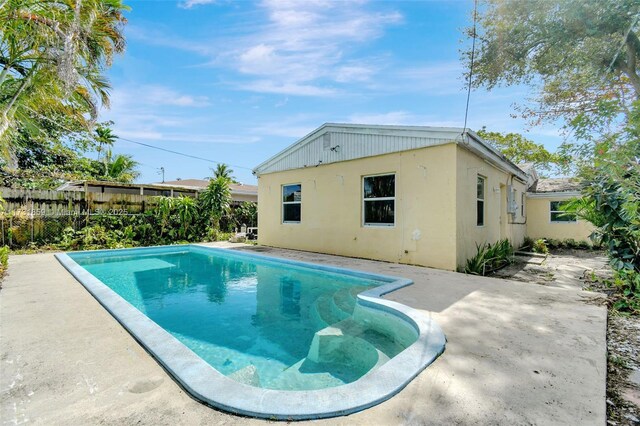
[
  {"x": 627, "y": 282},
  {"x": 540, "y": 246},
  {"x": 4, "y": 259},
  {"x": 527, "y": 244},
  {"x": 489, "y": 258},
  {"x": 571, "y": 243},
  {"x": 583, "y": 245}
]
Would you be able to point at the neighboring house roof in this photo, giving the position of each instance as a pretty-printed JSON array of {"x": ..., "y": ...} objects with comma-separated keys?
[
  {"x": 200, "y": 184},
  {"x": 556, "y": 185},
  {"x": 332, "y": 143},
  {"x": 188, "y": 185}
]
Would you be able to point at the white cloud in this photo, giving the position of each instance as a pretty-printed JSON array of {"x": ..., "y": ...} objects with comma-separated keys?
[
  {"x": 270, "y": 86},
  {"x": 160, "y": 113},
  {"x": 188, "y": 4},
  {"x": 156, "y": 95},
  {"x": 309, "y": 44},
  {"x": 300, "y": 48}
]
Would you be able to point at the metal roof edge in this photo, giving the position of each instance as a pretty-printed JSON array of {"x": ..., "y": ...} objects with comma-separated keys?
[
  {"x": 553, "y": 194},
  {"x": 496, "y": 157},
  {"x": 482, "y": 148},
  {"x": 298, "y": 143}
]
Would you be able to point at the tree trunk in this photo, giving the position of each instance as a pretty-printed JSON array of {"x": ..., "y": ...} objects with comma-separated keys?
[
  {"x": 3, "y": 74},
  {"x": 632, "y": 43}
]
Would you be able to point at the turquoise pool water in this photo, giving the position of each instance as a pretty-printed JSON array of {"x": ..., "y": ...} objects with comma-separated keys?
[{"x": 259, "y": 322}]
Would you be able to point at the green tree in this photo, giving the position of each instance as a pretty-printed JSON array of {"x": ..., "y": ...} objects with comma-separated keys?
[
  {"x": 215, "y": 200},
  {"x": 120, "y": 168},
  {"x": 224, "y": 171},
  {"x": 581, "y": 58},
  {"x": 104, "y": 139},
  {"x": 580, "y": 55},
  {"x": 52, "y": 58},
  {"x": 519, "y": 150}
]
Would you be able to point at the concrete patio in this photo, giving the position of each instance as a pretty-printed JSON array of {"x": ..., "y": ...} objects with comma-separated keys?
[{"x": 517, "y": 354}]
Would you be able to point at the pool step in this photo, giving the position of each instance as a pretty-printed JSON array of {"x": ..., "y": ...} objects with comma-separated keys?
[
  {"x": 386, "y": 345},
  {"x": 334, "y": 359},
  {"x": 330, "y": 309},
  {"x": 324, "y": 314}
]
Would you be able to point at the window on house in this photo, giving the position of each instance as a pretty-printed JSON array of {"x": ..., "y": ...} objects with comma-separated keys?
[
  {"x": 291, "y": 203},
  {"x": 558, "y": 214},
  {"x": 379, "y": 200},
  {"x": 480, "y": 190},
  {"x": 522, "y": 200}
]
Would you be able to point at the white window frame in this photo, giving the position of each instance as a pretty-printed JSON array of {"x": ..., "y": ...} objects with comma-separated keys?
[
  {"x": 364, "y": 200},
  {"x": 283, "y": 203},
  {"x": 551, "y": 212},
  {"x": 483, "y": 199}
]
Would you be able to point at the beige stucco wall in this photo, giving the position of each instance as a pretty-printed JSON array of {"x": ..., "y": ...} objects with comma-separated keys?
[
  {"x": 237, "y": 197},
  {"x": 539, "y": 223},
  {"x": 425, "y": 223},
  {"x": 497, "y": 223}
]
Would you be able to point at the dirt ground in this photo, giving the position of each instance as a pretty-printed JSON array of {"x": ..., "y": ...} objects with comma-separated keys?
[{"x": 586, "y": 270}]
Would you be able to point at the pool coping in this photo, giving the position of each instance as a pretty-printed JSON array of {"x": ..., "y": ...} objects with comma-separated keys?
[{"x": 208, "y": 385}]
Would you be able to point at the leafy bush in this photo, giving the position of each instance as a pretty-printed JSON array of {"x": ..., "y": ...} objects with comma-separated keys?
[
  {"x": 540, "y": 246},
  {"x": 627, "y": 283},
  {"x": 489, "y": 258},
  {"x": 166, "y": 220},
  {"x": 527, "y": 244},
  {"x": 4, "y": 259}
]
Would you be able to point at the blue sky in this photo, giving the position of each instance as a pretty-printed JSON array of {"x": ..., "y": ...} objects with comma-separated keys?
[{"x": 236, "y": 82}]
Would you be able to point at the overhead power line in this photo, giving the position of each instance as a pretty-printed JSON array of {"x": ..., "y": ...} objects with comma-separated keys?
[
  {"x": 145, "y": 144},
  {"x": 183, "y": 154}
]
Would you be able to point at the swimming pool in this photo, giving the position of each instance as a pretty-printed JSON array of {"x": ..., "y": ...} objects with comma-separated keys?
[{"x": 263, "y": 336}]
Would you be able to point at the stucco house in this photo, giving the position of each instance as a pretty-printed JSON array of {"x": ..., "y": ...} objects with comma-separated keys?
[
  {"x": 544, "y": 202},
  {"x": 407, "y": 194}
]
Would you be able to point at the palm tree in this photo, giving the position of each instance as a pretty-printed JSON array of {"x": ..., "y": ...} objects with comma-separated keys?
[
  {"x": 223, "y": 171},
  {"x": 105, "y": 138},
  {"x": 120, "y": 168},
  {"x": 52, "y": 59}
]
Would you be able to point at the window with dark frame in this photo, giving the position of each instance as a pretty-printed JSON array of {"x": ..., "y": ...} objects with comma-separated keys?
[
  {"x": 291, "y": 203},
  {"x": 379, "y": 200},
  {"x": 480, "y": 200},
  {"x": 558, "y": 214}
]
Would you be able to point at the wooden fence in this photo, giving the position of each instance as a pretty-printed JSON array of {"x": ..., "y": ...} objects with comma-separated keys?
[{"x": 61, "y": 203}]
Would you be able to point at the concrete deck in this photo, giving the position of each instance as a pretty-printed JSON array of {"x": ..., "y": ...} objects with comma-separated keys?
[{"x": 517, "y": 354}]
